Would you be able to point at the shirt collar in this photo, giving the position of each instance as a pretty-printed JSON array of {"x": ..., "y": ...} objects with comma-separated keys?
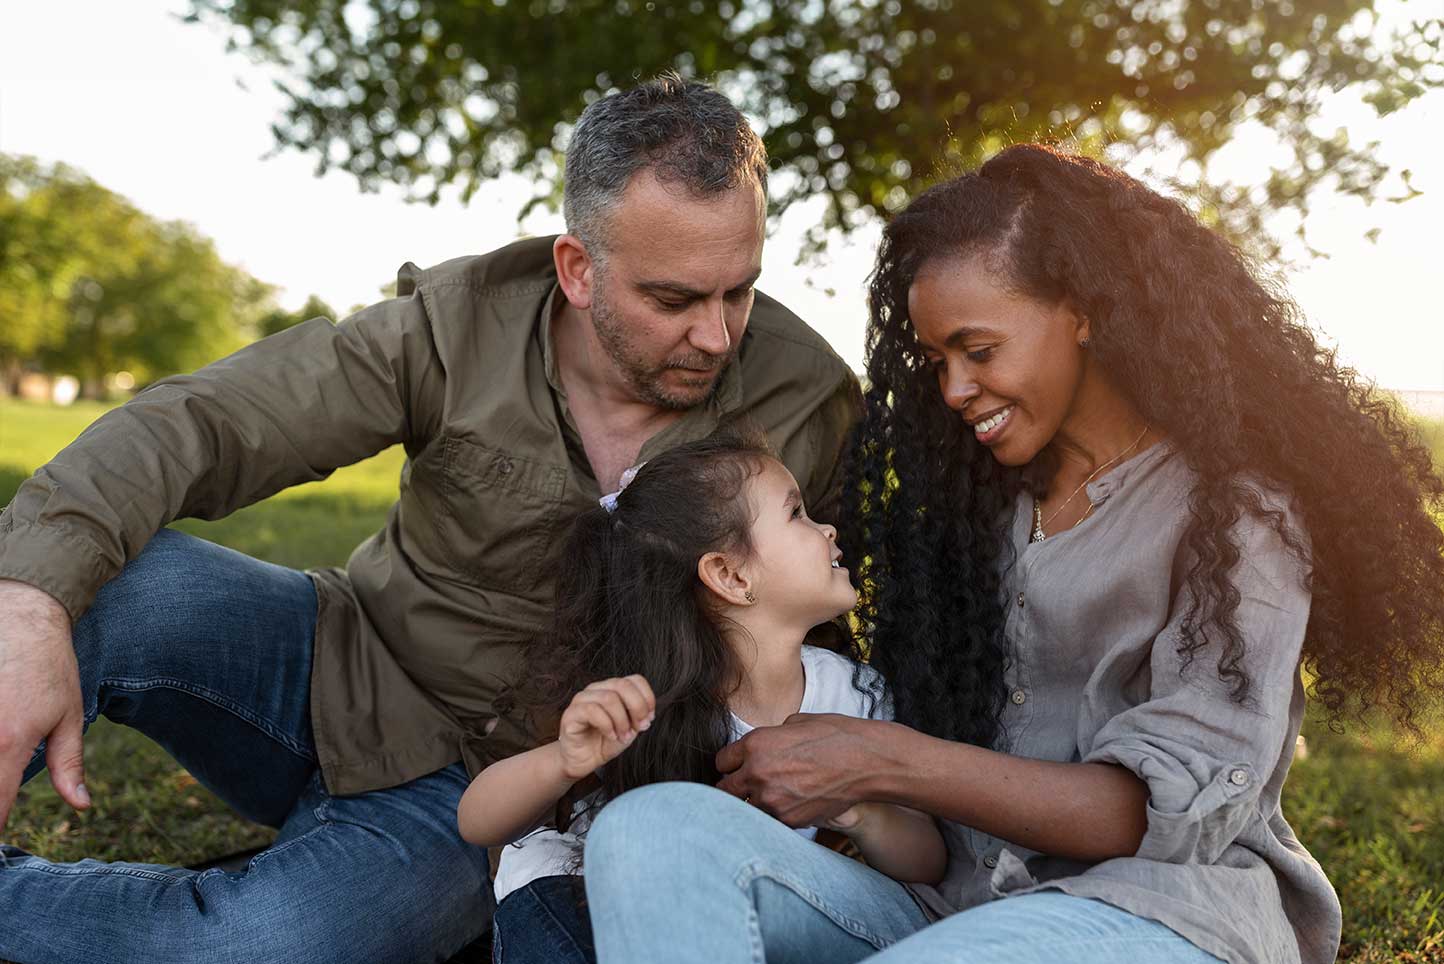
[{"x": 1119, "y": 477}]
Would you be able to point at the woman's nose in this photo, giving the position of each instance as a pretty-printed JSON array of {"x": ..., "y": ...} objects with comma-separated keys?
[{"x": 958, "y": 389}]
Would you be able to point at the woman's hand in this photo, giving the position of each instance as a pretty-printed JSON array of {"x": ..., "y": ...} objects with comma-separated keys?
[
  {"x": 809, "y": 770},
  {"x": 601, "y": 721}
]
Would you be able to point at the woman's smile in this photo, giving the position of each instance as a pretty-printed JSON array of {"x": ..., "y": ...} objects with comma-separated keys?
[{"x": 990, "y": 429}]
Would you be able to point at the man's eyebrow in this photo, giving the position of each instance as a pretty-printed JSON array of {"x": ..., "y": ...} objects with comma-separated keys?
[{"x": 692, "y": 294}]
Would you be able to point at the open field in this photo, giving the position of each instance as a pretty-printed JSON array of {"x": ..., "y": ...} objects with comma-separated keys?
[{"x": 1368, "y": 806}]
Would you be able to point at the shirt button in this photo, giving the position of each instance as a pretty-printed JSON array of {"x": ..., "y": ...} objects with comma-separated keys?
[
  {"x": 1238, "y": 777},
  {"x": 990, "y": 861},
  {"x": 1021, "y": 598},
  {"x": 1019, "y": 697}
]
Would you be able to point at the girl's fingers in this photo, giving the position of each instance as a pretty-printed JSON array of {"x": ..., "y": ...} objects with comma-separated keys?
[
  {"x": 641, "y": 704},
  {"x": 636, "y": 695},
  {"x": 610, "y": 703}
]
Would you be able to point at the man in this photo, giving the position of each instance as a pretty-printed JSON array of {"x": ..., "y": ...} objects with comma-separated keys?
[{"x": 336, "y": 707}]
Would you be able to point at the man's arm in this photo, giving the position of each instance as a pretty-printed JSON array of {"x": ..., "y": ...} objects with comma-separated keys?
[{"x": 288, "y": 409}]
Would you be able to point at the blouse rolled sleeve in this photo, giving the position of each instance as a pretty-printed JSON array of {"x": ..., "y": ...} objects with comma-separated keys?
[{"x": 1203, "y": 754}]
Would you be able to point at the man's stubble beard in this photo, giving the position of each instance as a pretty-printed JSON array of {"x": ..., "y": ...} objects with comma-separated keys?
[{"x": 647, "y": 381}]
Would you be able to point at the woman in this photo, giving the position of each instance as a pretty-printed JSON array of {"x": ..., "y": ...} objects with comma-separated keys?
[{"x": 1112, "y": 494}]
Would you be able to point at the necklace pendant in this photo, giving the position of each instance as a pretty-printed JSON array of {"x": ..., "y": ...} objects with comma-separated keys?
[{"x": 1037, "y": 534}]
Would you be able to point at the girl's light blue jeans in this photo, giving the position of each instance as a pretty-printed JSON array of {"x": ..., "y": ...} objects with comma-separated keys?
[
  {"x": 683, "y": 873},
  {"x": 208, "y": 652}
]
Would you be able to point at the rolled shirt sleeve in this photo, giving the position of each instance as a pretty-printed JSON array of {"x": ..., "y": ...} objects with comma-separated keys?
[
  {"x": 1203, "y": 754},
  {"x": 288, "y": 409}
]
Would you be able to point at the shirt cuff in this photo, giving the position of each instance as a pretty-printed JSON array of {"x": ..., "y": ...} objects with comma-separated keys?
[
  {"x": 1187, "y": 823},
  {"x": 68, "y": 567}
]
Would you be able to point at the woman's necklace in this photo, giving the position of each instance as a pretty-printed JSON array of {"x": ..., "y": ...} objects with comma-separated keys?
[{"x": 1039, "y": 522}]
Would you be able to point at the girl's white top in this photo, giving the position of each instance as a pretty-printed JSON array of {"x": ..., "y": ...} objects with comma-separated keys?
[{"x": 828, "y": 689}]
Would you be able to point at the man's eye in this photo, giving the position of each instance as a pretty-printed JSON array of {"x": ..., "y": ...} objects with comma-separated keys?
[
  {"x": 741, "y": 294},
  {"x": 672, "y": 305}
]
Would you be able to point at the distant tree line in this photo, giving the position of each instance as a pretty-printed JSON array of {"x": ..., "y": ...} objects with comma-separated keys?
[{"x": 90, "y": 285}]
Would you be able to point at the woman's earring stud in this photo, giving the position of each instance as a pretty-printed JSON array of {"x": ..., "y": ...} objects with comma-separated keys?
[{"x": 1085, "y": 343}]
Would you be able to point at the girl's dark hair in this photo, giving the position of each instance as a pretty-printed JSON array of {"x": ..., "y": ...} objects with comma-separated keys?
[
  {"x": 629, "y": 601},
  {"x": 1221, "y": 362}
]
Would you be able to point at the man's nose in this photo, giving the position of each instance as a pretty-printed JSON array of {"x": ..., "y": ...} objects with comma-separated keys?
[{"x": 709, "y": 333}]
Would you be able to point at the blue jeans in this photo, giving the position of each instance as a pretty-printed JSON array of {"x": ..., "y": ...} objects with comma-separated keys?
[
  {"x": 543, "y": 922},
  {"x": 208, "y": 652},
  {"x": 683, "y": 873}
]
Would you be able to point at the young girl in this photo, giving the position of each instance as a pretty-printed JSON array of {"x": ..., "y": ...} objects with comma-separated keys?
[{"x": 682, "y": 610}]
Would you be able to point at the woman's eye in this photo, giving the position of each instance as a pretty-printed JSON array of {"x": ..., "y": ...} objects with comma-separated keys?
[
  {"x": 980, "y": 354},
  {"x": 934, "y": 364}
]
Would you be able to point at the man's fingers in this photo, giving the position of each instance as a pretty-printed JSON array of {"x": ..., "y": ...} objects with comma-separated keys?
[
  {"x": 65, "y": 758},
  {"x": 12, "y": 768}
]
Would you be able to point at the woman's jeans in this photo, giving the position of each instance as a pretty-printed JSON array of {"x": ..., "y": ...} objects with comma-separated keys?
[
  {"x": 683, "y": 873},
  {"x": 208, "y": 652}
]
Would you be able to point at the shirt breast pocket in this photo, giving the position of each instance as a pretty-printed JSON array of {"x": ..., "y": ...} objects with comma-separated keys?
[{"x": 502, "y": 511}]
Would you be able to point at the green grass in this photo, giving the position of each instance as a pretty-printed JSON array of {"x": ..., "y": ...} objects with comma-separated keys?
[{"x": 1369, "y": 807}]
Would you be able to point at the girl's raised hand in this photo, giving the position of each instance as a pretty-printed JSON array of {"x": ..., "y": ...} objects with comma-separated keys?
[{"x": 601, "y": 721}]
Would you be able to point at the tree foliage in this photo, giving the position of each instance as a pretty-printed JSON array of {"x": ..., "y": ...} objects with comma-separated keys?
[
  {"x": 91, "y": 285},
  {"x": 860, "y": 101}
]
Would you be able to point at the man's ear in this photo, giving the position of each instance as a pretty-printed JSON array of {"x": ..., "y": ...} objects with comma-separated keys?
[
  {"x": 575, "y": 270},
  {"x": 728, "y": 583}
]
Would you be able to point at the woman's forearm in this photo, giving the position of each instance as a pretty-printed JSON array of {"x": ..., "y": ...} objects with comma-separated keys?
[
  {"x": 1081, "y": 811},
  {"x": 512, "y": 796}
]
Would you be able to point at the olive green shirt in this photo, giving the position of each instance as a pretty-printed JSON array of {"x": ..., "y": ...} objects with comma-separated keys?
[{"x": 418, "y": 633}]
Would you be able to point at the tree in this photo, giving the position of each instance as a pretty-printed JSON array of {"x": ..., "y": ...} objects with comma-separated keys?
[
  {"x": 279, "y": 319},
  {"x": 89, "y": 284},
  {"x": 859, "y": 101}
]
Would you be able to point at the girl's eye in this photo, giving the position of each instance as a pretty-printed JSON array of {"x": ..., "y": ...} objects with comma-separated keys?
[
  {"x": 796, "y": 511},
  {"x": 981, "y": 354}
]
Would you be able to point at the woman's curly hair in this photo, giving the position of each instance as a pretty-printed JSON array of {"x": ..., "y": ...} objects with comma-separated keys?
[{"x": 1207, "y": 352}]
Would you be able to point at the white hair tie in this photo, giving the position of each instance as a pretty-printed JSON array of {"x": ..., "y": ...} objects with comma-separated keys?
[{"x": 609, "y": 501}]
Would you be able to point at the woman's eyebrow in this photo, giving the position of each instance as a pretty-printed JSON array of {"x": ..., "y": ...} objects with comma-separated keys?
[{"x": 958, "y": 336}]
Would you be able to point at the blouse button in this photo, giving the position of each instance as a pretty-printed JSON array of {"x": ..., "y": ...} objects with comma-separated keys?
[
  {"x": 990, "y": 861},
  {"x": 1019, "y": 697},
  {"x": 1238, "y": 777}
]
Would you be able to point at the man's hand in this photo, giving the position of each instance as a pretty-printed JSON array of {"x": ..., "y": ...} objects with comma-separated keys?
[
  {"x": 807, "y": 771},
  {"x": 39, "y": 695}
]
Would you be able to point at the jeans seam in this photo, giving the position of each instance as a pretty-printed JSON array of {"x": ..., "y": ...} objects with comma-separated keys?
[
  {"x": 215, "y": 699},
  {"x": 753, "y": 871},
  {"x": 558, "y": 922},
  {"x": 104, "y": 870}
]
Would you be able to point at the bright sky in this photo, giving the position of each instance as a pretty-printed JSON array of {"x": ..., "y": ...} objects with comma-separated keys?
[{"x": 157, "y": 111}]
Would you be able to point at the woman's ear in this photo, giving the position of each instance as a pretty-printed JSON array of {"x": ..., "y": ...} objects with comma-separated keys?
[
  {"x": 1082, "y": 325},
  {"x": 727, "y": 582}
]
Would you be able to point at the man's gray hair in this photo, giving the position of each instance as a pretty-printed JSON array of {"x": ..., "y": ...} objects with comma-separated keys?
[{"x": 684, "y": 133}]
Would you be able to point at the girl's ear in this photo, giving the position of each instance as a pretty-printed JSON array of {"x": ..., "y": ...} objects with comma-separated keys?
[{"x": 727, "y": 582}]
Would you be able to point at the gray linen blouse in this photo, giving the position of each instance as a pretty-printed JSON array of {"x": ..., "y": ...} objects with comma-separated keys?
[{"x": 1094, "y": 615}]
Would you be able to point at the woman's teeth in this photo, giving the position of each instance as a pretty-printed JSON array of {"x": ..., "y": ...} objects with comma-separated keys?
[{"x": 988, "y": 424}]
